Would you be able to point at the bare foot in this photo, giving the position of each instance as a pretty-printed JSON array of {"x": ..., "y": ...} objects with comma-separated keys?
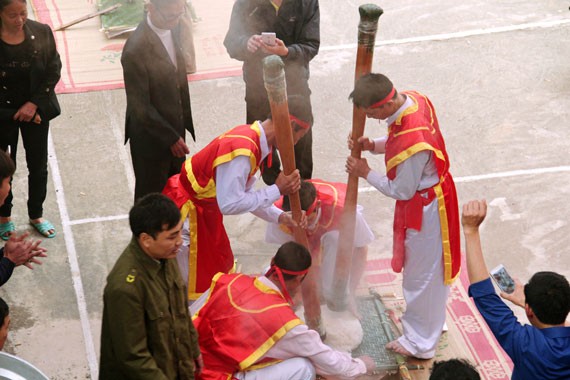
[{"x": 398, "y": 348}]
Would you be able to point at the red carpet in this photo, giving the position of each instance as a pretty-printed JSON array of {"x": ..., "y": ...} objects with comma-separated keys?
[{"x": 468, "y": 336}]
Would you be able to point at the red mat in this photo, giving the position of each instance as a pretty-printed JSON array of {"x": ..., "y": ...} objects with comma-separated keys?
[
  {"x": 468, "y": 335},
  {"x": 91, "y": 62}
]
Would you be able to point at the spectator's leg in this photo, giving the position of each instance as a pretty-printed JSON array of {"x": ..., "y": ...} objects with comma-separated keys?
[
  {"x": 35, "y": 141},
  {"x": 151, "y": 173},
  {"x": 9, "y": 134}
]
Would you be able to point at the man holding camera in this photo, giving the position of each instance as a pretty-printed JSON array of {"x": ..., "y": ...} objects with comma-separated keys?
[
  {"x": 539, "y": 351},
  {"x": 296, "y": 25}
]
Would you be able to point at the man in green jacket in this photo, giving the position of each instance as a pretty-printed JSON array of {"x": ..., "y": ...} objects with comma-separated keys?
[{"x": 147, "y": 332}]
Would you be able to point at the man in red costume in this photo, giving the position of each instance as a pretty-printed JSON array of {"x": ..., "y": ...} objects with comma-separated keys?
[
  {"x": 247, "y": 329},
  {"x": 426, "y": 218},
  {"x": 219, "y": 180},
  {"x": 323, "y": 203}
]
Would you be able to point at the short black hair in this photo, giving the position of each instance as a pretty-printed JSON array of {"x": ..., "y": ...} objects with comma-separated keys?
[
  {"x": 454, "y": 369},
  {"x": 153, "y": 214},
  {"x": 548, "y": 294},
  {"x": 307, "y": 194},
  {"x": 300, "y": 107},
  {"x": 370, "y": 89},
  {"x": 4, "y": 311},
  {"x": 7, "y": 166},
  {"x": 292, "y": 256}
]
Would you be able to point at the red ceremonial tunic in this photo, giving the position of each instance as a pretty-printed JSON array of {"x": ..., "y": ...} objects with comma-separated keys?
[
  {"x": 194, "y": 192},
  {"x": 415, "y": 130},
  {"x": 241, "y": 320},
  {"x": 332, "y": 196}
]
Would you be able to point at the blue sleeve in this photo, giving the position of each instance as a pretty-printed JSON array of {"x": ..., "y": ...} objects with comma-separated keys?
[
  {"x": 6, "y": 268},
  {"x": 499, "y": 317}
]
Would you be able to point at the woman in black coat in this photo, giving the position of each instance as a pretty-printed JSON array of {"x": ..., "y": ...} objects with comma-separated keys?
[{"x": 29, "y": 70}]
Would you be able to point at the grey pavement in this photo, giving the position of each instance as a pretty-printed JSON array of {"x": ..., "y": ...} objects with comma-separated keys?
[{"x": 497, "y": 73}]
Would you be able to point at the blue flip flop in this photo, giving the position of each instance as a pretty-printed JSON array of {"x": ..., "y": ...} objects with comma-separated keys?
[
  {"x": 6, "y": 230},
  {"x": 44, "y": 227}
]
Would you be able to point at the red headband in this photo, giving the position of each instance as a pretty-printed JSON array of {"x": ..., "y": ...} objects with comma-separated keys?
[
  {"x": 280, "y": 272},
  {"x": 312, "y": 207},
  {"x": 299, "y": 122},
  {"x": 385, "y": 100}
]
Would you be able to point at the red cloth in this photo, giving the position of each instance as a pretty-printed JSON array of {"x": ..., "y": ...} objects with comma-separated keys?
[
  {"x": 417, "y": 129},
  {"x": 332, "y": 196},
  {"x": 242, "y": 319},
  {"x": 194, "y": 192}
]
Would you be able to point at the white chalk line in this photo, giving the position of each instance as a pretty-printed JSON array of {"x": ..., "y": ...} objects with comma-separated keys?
[
  {"x": 484, "y": 177},
  {"x": 73, "y": 262},
  {"x": 117, "y": 127},
  {"x": 455, "y": 35},
  {"x": 473, "y": 178},
  {"x": 97, "y": 219}
]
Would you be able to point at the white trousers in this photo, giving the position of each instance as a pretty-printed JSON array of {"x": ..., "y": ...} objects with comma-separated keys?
[
  {"x": 290, "y": 369},
  {"x": 183, "y": 250},
  {"x": 423, "y": 287}
]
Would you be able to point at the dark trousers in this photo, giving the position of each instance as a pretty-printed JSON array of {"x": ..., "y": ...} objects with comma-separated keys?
[
  {"x": 303, "y": 161},
  {"x": 152, "y": 172},
  {"x": 35, "y": 141},
  {"x": 259, "y": 109}
]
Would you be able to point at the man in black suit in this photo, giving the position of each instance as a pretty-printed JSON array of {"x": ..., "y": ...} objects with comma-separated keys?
[{"x": 158, "y": 100}]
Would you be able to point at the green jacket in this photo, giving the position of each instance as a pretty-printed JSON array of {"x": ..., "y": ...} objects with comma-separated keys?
[{"x": 147, "y": 332}]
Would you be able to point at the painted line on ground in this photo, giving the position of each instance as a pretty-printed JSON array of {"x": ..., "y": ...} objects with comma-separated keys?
[
  {"x": 455, "y": 35},
  {"x": 97, "y": 219},
  {"x": 483, "y": 177},
  {"x": 73, "y": 261},
  {"x": 117, "y": 127},
  {"x": 473, "y": 178}
]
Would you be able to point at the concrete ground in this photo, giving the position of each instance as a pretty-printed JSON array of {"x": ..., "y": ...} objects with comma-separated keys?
[{"x": 495, "y": 71}]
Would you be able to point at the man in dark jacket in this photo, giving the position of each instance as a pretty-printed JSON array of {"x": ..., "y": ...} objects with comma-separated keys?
[
  {"x": 158, "y": 101},
  {"x": 147, "y": 333},
  {"x": 296, "y": 26}
]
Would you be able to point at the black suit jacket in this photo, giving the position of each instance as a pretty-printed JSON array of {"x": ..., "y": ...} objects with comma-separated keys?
[{"x": 158, "y": 99}]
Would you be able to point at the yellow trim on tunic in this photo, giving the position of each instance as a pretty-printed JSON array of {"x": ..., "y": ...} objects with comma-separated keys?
[
  {"x": 261, "y": 287},
  {"x": 432, "y": 131},
  {"x": 214, "y": 281},
  {"x": 408, "y": 111},
  {"x": 445, "y": 242},
  {"x": 405, "y": 154},
  {"x": 248, "y": 363},
  {"x": 401, "y": 157},
  {"x": 209, "y": 190},
  {"x": 262, "y": 365},
  {"x": 428, "y": 104},
  {"x": 269, "y": 343}
]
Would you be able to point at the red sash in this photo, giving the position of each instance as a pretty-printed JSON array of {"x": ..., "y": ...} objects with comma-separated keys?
[
  {"x": 194, "y": 192},
  {"x": 415, "y": 130},
  {"x": 242, "y": 319}
]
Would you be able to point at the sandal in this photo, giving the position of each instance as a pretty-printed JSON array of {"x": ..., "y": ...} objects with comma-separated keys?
[
  {"x": 43, "y": 228},
  {"x": 6, "y": 230}
]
